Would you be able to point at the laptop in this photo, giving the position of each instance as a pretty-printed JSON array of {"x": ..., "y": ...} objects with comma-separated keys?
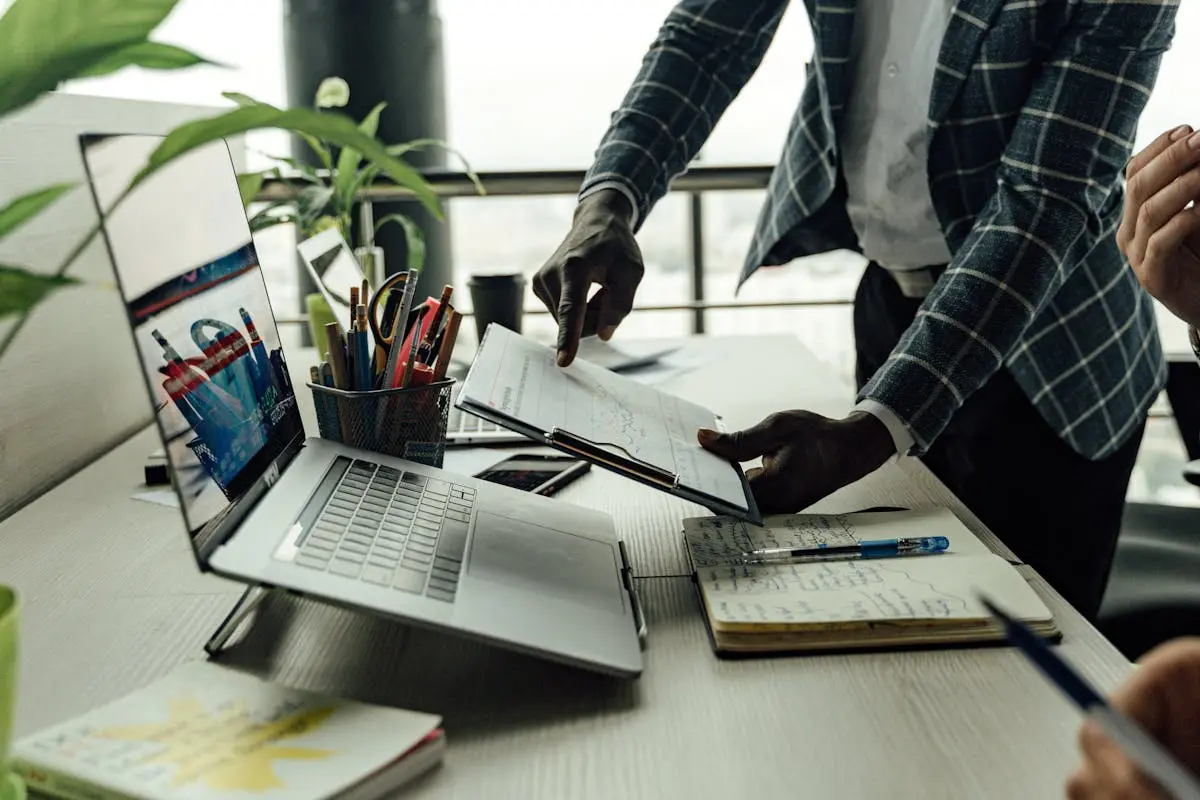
[
  {"x": 349, "y": 527},
  {"x": 333, "y": 267}
]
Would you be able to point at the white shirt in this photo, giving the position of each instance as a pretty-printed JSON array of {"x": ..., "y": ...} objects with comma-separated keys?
[
  {"x": 884, "y": 149},
  {"x": 882, "y": 134}
]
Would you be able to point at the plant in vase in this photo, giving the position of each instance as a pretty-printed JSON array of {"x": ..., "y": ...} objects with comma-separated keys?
[{"x": 325, "y": 195}]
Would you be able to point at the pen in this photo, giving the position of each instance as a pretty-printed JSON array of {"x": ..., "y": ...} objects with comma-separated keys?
[
  {"x": 362, "y": 356},
  {"x": 353, "y": 307},
  {"x": 410, "y": 291},
  {"x": 873, "y": 548},
  {"x": 446, "y": 349},
  {"x": 1158, "y": 764},
  {"x": 435, "y": 324},
  {"x": 411, "y": 358}
]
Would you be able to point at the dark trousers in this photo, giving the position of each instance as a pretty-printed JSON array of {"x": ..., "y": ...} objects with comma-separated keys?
[{"x": 1058, "y": 511}]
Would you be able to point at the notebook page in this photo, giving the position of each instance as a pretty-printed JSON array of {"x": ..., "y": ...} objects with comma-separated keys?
[
  {"x": 520, "y": 379},
  {"x": 919, "y": 588},
  {"x": 722, "y": 540}
]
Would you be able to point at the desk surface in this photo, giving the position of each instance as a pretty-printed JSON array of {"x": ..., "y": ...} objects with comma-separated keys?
[{"x": 112, "y": 600}]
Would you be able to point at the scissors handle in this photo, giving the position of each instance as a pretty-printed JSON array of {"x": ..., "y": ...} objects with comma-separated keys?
[{"x": 383, "y": 329}]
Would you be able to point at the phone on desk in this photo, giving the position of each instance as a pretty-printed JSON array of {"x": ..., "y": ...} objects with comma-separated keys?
[{"x": 537, "y": 474}]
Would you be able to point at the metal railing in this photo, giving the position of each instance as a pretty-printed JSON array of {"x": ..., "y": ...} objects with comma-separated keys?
[
  {"x": 448, "y": 184},
  {"x": 695, "y": 182}
]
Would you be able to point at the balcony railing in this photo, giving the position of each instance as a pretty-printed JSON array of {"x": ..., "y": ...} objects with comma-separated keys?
[{"x": 540, "y": 183}]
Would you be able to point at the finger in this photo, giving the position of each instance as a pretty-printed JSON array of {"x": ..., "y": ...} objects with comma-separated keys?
[
  {"x": 749, "y": 443},
  {"x": 1150, "y": 151},
  {"x": 772, "y": 490},
  {"x": 1154, "y": 169},
  {"x": 620, "y": 286},
  {"x": 1169, "y": 201},
  {"x": 591, "y": 318},
  {"x": 1163, "y": 696},
  {"x": 572, "y": 306},
  {"x": 542, "y": 290},
  {"x": 1179, "y": 157},
  {"x": 1161, "y": 249}
]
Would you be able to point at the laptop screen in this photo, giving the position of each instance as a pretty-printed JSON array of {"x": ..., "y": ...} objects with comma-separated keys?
[{"x": 202, "y": 323}]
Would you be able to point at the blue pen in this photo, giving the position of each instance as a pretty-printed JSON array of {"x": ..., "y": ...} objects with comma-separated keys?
[
  {"x": 1159, "y": 765},
  {"x": 873, "y": 548}
]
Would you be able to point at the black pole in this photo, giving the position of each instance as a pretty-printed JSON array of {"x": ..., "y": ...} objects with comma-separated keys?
[{"x": 388, "y": 51}]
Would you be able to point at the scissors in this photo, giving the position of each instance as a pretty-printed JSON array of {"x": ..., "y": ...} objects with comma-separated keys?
[{"x": 383, "y": 328}]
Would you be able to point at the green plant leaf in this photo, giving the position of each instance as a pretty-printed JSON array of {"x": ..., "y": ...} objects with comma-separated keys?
[
  {"x": 270, "y": 217},
  {"x": 302, "y": 169},
  {"x": 345, "y": 177},
  {"x": 421, "y": 144},
  {"x": 43, "y": 44},
  {"x": 149, "y": 55},
  {"x": 21, "y": 290},
  {"x": 322, "y": 152},
  {"x": 243, "y": 100},
  {"x": 249, "y": 185},
  {"x": 312, "y": 202},
  {"x": 28, "y": 206},
  {"x": 333, "y": 92},
  {"x": 332, "y": 127},
  {"x": 412, "y": 235},
  {"x": 327, "y": 221}
]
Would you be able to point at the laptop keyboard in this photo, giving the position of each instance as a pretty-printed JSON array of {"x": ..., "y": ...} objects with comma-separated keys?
[{"x": 392, "y": 528}]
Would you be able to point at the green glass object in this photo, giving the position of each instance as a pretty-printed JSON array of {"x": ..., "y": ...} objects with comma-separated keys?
[
  {"x": 11, "y": 787},
  {"x": 319, "y": 315}
]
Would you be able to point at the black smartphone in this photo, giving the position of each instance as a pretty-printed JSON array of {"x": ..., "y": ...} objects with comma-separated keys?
[{"x": 542, "y": 475}]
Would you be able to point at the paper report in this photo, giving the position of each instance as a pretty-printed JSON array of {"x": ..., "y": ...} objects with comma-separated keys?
[{"x": 518, "y": 378}]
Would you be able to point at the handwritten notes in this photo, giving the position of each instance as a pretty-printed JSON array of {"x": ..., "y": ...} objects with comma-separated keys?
[
  {"x": 722, "y": 540},
  {"x": 830, "y": 593}
]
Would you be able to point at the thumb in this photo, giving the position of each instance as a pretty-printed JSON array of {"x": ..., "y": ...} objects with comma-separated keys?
[{"x": 747, "y": 444}]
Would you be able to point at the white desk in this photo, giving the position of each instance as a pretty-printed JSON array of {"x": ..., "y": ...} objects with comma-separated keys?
[{"x": 112, "y": 600}]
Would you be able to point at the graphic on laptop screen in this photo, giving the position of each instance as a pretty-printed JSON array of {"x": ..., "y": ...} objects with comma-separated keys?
[{"x": 202, "y": 321}]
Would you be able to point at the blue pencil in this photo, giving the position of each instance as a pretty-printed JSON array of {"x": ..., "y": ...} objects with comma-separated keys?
[{"x": 1159, "y": 765}]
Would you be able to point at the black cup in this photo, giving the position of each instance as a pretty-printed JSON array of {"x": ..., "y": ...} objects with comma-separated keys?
[{"x": 499, "y": 299}]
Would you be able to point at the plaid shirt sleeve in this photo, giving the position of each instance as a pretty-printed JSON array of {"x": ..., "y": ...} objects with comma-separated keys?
[
  {"x": 1053, "y": 203},
  {"x": 703, "y": 56}
]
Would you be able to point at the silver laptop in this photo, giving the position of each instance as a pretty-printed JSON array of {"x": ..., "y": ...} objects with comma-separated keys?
[{"x": 350, "y": 527}]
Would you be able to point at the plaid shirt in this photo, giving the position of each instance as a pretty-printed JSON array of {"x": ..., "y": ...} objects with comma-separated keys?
[{"x": 1031, "y": 121}]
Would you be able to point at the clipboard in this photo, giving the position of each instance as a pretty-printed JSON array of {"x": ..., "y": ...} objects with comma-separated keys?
[{"x": 606, "y": 455}]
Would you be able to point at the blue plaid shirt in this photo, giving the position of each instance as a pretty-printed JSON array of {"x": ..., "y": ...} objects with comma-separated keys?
[{"x": 1031, "y": 121}]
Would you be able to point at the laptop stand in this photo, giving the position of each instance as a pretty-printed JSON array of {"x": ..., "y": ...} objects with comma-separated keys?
[{"x": 242, "y": 609}]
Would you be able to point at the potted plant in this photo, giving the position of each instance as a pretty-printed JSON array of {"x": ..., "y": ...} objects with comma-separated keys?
[{"x": 325, "y": 196}]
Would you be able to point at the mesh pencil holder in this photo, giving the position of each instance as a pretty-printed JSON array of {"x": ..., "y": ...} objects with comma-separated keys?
[{"x": 406, "y": 423}]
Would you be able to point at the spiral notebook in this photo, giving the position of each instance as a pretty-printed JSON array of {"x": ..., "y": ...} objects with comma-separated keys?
[{"x": 877, "y": 603}]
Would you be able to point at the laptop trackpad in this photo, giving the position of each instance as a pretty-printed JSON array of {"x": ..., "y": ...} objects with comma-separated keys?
[{"x": 532, "y": 558}]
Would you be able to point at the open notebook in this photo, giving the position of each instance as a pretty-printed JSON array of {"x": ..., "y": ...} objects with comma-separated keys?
[{"x": 863, "y": 603}]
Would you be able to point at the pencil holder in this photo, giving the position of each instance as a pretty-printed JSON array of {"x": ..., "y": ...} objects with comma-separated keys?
[{"x": 406, "y": 423}]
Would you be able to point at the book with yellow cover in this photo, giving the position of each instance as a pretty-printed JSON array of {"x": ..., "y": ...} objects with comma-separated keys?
[
  {"x": 205, "y": 731},
  {"x": 874, "y": 603}
]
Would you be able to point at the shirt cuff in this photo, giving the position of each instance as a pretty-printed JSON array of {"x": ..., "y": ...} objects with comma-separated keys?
[
  {"x": 899, "y": 431},
  {"x": 623, "y": 189}
]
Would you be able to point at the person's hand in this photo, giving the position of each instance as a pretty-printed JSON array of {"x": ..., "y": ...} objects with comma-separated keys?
[
  {"x": 1159, "y": 233},
  {"x": 600, "y": 249},
  {"x": 1163, "y": 696},
  {"x": 804, "y": 456}
]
